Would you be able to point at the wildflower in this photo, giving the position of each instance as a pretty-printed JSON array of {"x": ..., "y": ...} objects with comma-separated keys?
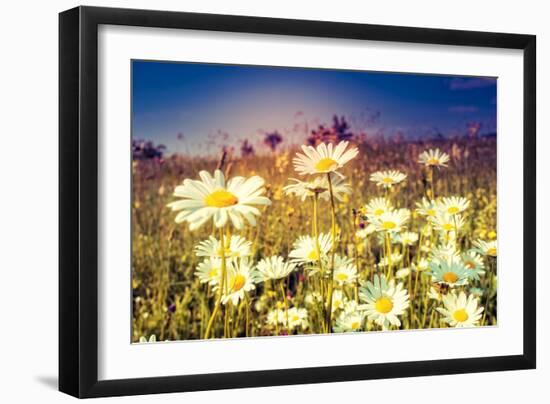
[
  {"x": 366, "y": 231},
  {"x": 407, "y": 238},
  {"x": 319, "y": 186},
  {"x": 433, "y": 158},
  {"x": 488, "y": 248},
  {"x": 392, "y": 221},
  {"x": 338, "y": 300},
  {"x": 384, "y": 301},
  {"x": 344, "y": 270},
  {"x": 393, "y": 259},
  {"x": 235, "y": 247},
  {"x": 426, "y": 208},
  {"x": 240, "y": 278},
  {"x": 402, "y": 273},
  {"x": 444, "y": 252},
  {"x": 377, "y": 207},
  {"x": 143, "y": 339},
  {"x": 387, "y": 179},
  {"x": 446, "y": 222},
  {"x": 212, "y": 197},
  {"x": 324, "y": 158},
  {"x": 275, "y": 268},
  {"x": 297, "y": 318},
  {"x": 452, "y": 273},
  {"x": 460, "y": 311},
  {"x": 454, "y": 205},
  {"x": 350, "y": 319},
  {"x": 421, "y": 265},
  {"x": 209, "y": 271},
  {"x": 474, "y": 262},
  {"x": 305, "y": 250}
]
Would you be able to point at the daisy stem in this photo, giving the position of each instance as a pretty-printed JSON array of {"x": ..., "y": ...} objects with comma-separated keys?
[
  {"x": 333, "y": 232},
  {"x": 432, "y": 182},
  {"x": 317, "y": 246},
  {"x": 220, "y": 292},
  {"x": 388, "y": 255},
  {"x": 491, "y": 274},
  {"x": 286, "y": 305},
  {"x": 247, "y": 308}
]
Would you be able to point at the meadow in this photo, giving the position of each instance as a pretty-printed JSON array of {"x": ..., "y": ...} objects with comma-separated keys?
[{"x": 410, "y": 249}]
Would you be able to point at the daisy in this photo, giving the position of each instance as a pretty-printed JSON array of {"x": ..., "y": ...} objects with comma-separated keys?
[
  {"x": 426, "y": 208},
  {"x": 366, "y": 231},
  {"x": 323, "y": 159},
  {"x": 350, "y": 319},
  {"x": 421, "y": 265},
  {"x": 433, "y": 158},
  {"x": 377, "y": 207},
  {"x": 452, "y": 273},
  {"x": 235, "y": 247},
  {"x": 384, "y": 301},
  {"x": 407, "y": 238},
  {"x": 392, "y": 221},
  {"x": 274, "y": 268},
  {"x": 275, "y": 317},
  {"x": 488, "y": 248},
  {"x": 474, "y": 262},
  {"x": 460, "y": 311},
  {"x": 387, "y": 179},
  {"x": 434, "y": 294},
  {"x": 446, "y": 222},
  {"x": 152, "y": 338},
  {"x": 444, "y": 252},
  {"x": 393, "y": 259},
  {"x": 338, "y": 300},
  {"x": 305, "y": 251},
  {"x": 344, "y": 270},
  {"x": 402, "y": 273},
  {"x": 209, "y": 271},
  {"x": 297, "y": 318},
  {"x": 212, "y": 197},
  {"x": 318, "y": 186},
  {"x": 314, "y": 298},
  {"x": 454, "y": 204},
  {"x": 240, "y": 278}
]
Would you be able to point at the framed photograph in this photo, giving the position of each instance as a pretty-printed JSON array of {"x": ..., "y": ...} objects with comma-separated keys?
[{"x": 252, "y": 201}]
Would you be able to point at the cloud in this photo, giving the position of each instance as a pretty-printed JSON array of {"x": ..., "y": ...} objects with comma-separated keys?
[
  {"x": 460, "y": 83},
  {"x": 463, "y": 109}
]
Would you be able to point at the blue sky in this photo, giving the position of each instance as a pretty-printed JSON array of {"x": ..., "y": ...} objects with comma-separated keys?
[{"x": 203, "y": 102}]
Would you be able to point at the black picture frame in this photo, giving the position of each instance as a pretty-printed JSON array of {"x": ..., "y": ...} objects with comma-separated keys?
[{"x": 78, "y": 200}]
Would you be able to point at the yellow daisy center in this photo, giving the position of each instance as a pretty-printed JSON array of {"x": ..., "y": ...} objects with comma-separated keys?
[
  {"x": 389, "y": 225},
  {"x": 433, "y": 161},
  {"x": 221, "y": 199},
  {"x": 430, "y": 212},
  {"x": 313, "y": 256},
  {"x": 460, "y": 315},
  {"x": 450, "y": 277},
  {"x": 383, "y": 305},
  {"x": 213, "y": 273},
  {"x": 326, "y": 164},
  {"x": 342, "y": 277},
  {"x": 492, "y": 252},
  {"x": 387, "y": 180},
  {"x": 238, "y": 282},
  {"x": 378, "y": 212},
  {"x": 354, "y": 325},
  {"x": 448, "y": 227},
  {"x": 294, "y": 318},
  {"x": 453, "y": 209}
]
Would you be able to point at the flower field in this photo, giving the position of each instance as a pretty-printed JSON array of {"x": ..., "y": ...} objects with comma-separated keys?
[{"x": 358, "y": 236}]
